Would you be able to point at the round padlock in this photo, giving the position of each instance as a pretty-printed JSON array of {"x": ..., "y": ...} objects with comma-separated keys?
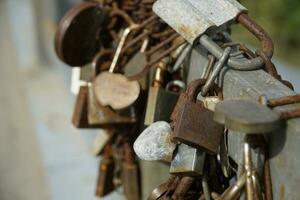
[{"x": 77, "y": 36}]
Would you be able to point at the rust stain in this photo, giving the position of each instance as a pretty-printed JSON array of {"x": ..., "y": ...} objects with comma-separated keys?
[{"x": 186, "y": 30}]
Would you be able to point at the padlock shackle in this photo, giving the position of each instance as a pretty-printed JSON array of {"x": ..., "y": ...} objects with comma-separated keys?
[
  {"x": 243, "y": 64},
  {"x": 194, "y": 88},
  {"x": 258, "y": 32},
  {"x": 98, "y": 58}
]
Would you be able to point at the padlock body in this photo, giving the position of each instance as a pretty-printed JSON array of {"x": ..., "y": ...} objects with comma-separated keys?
[
  {"x": 130, "y": 180},
  {"x": 160, "y": 105},
  {"x": 80, "y": 113},
  {"x": 105, "y": 183},
  {"x": 104, "y": 116},
  {"x": 188, "y": 161},
  {"x": 195, "y": 127}
]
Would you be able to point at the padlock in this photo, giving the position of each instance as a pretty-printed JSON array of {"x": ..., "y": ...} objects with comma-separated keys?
[
  {"x": 193, "y": 123},
  {"x": 76, "y": 41},
  {"x": 80, "y": 113},
  {"x": 102, "y": 139},
  {"x": 161, "y": 102},
  {"x": 103, "y": 116},
  {"x": 105, "y": 183},
  {"x": 130, "y": 175},
  {"x": 154, "y": 143},
  {"x": 88, "y": 114},
  {"x": 188, "y": 161},
  {"x": 115, "y": 90},
  {"x": 136, "y": 64},
  {"x": 192, "y": 18}
]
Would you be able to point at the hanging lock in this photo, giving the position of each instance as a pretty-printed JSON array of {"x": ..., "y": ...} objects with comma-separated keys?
[
  {"x": 130, "y": 175},
  {"x": 136, "y": 63},
  {"x": 161, "y": 102},
  {"x": 112, "y": 89},
  {"x": 103, "y": 116},
  {"x": 76, "y": 39},
  {"x": 193, "y": 123},
  {"x": 188, "y": 161},
  {"x": 105, "y": 183}
]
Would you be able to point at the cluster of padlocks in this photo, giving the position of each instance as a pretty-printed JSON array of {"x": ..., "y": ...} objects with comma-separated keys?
[{"x": 134, "y": 59}]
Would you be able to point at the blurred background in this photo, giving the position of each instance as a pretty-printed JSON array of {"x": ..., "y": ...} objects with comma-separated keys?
[{"x": 42, "y": 156}]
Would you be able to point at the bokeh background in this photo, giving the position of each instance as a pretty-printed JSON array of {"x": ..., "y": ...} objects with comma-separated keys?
[{"x": 42, "y": 156}]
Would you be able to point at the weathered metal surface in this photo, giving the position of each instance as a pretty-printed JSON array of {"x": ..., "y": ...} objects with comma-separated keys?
[
  {"x": 130, "y": 174},
  {"x": 183, "y": 187},
  {"x": 187, "y": 161},
  {"x": 258, "y": 32},
  {"x": 283, "y": 144},
  {"x": 149, "y": 181},
  {"x": 246, "y": 116},
  {"x": 154, "y": 143},
  {"x": 191, "y": 18},
  {"x": 218, "y": 11},
  {"x": 76, "y": 40},
  {"x": 284, "y": 100},
  {"x": 116, "y": 90},
  {"x": 194, "y": 123},
  {"x": 183, "y": 18},
  {"x": 105, "y": 183},
  {"x": 102, "y": 116},
  {"x": 160, "y": 105}
]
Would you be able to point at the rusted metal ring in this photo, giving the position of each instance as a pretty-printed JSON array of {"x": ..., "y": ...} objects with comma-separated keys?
[{"x": 258, "y": 32}]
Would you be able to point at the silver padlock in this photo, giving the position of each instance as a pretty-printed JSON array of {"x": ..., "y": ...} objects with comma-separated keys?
[
  {"x": 187, "y": 161},
  {"x": 192, "y": 18}
]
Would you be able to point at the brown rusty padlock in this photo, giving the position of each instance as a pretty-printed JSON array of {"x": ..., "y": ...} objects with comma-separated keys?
[
  {"x": 105, "y": 184},
  {"x": 193, "y": 123},
  {"x": 80, "y": 114},
  {"x": 130, "y": 174},
  {"x": 104, "y": 116}
]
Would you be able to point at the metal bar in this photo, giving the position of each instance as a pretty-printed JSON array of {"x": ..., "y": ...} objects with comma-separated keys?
[{"x": 283, "y": 144}]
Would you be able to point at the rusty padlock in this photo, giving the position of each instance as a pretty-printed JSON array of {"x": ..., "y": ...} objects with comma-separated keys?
[
  {"x": 105, "y": 183},
  {"x": 104, "y": 116},
  {"x": 193, "y": 123},
  {"x": 130, "y": 174}
]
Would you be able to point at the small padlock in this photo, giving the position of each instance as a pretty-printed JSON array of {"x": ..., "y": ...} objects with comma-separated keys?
[
  {"x": 194, "y": 123},
  {"x": 80, "y": 114},
  {"x": 130, "y": 175},
  {"x": 161, "y": 102},
  {"x": 188, "y": 161},
  {"x": 115, "y": 90},
  {"x": 105, "y": 184},
  {"x": 104, "y": 116}
]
